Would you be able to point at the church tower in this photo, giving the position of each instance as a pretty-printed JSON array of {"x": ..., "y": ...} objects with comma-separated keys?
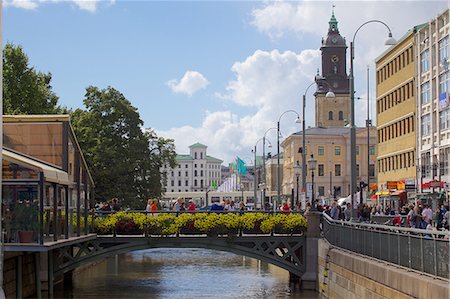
[{"x": 333, "y": 112}]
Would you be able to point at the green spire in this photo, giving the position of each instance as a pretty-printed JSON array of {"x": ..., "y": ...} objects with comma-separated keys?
[{"x": 333, "y": 22}]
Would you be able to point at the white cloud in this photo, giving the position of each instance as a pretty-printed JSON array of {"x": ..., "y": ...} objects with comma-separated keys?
[
  {"x": 24, "y": 4},
  {"x": 272, "y": 82},
  {"x": 191, "y": 82},
  {"x": 86, "y": 5}
]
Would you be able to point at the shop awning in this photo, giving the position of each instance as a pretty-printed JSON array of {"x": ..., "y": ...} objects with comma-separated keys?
[
  {"x": 51, "y": 174},
  {"x": 382, "y": 193},
  {"x": 433, "y": 184},
  {"x": 398, "y": 192}
]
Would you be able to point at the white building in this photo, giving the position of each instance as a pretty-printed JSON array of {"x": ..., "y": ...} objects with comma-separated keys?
[
  {"x": 433, "y": 106},
  {"x": 194, "y": 172}
]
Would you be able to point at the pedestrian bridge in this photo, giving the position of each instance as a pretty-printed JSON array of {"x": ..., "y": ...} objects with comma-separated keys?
[{"x": 286, "y": 252}]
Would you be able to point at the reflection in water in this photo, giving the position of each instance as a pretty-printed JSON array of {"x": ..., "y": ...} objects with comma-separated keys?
[{"x": 182, "y": 273}]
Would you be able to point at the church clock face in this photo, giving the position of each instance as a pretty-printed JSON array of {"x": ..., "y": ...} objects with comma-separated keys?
[{"x": 334, "y": 58}]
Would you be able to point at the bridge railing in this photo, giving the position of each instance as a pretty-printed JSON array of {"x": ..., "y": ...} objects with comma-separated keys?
[{"x": 422, "y": 250}]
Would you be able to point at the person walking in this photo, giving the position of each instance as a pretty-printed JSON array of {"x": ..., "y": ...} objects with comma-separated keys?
[
  {"x": 334, "y": 210},
  {"x": 149, "y": 205},
  {"x": 348, "y": 212},
  {"x": 191, "y": 206}
]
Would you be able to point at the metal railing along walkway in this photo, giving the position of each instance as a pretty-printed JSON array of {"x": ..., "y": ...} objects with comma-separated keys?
[{"x": 422, "y": 250}]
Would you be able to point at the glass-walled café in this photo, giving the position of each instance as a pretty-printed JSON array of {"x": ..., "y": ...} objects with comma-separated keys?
[{"x": 47, "y": 190}]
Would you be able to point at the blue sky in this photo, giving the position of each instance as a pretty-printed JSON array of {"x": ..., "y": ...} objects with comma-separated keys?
[{"x": 219, "y": 73}]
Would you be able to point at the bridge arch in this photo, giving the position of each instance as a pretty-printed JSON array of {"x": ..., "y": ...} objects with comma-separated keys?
[{"x": 286, "y": 252}]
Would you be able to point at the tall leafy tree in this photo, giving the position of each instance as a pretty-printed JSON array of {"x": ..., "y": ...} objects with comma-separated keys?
[
  {"x": 124, "y": 159},
  {"x": 25, "y": 90}
]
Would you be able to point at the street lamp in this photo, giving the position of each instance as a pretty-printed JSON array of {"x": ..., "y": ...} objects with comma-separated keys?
[
  {"x": 264, "y": 162},
  {"x": 278, "y": 154},
  {"x": 254, "y": 170},
  {"x": 329, "y": 94},
  {"x": 312, "y": 163},
  {"x": 390, "y": 41},
  {"x": 297, "y": 170}
]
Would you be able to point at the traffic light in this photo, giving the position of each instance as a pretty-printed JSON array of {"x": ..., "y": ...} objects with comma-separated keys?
[{"x": 362, "y": 185}]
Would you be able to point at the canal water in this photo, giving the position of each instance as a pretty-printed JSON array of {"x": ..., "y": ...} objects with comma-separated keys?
[{"x": 182, "y": 273}]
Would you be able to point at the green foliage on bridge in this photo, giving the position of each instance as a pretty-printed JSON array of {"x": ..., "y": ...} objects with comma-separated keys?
[{"x": 199, "y": 223}]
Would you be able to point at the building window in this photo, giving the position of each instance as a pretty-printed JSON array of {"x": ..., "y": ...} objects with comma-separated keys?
[
  {"x": 337, "y": 169},
  {"x": 444, "y": 154},
  {"x": 201, "y": 183},
  {"x": 186, "y": 183},
  {"x": 201, "y": 155},
  {"x": 195, "y": 165},
  {"x": 172, "y": 174},
  {"x": 321, "y": 191},
  {"x": 321, "y": 150},
  {"x": 186, "y": 173},
  {"x": 444, "y": 119},
  {"x": 201, "y": 172},
  {"x": 425, "y": 93},
  {"x": 179, "y": 166},
  {"x": 201, "y": 165},
  {"x": 357, "y": 170},
  {"x": 172, "y": 183},
  {"x": 195, "y": 155},
  {"x": 179, "y": 173},
  {"x": 321, "y": 170},
  {"x": 337, "y": 150},
  {"x": 372, "y": 170},
  {"x": 186, "y": 166},
  {"x": 371, "y": 150},
  {"x": 426, "y": 128},
  {"x": 341, "y": 115},
  {"x": 195, "y": 183},
  {"x": 425, "y": 61},
  {"x": 330, "y": 115},
  {"x": 444, "y": 83},
  {"x": 357, "y": 150},
  {"x": 179, "y": 183},
  {"x": 444, "y": 50},
  {"x": 195, "y": 172}
]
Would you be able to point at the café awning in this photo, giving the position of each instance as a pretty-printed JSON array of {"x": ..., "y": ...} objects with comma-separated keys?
[
  {"x": 51, "y": 174},
  {"x": 433, "y": 184}
]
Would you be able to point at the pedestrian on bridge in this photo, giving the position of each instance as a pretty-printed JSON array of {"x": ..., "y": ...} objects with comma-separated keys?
[{"x": 191, "y": 206}]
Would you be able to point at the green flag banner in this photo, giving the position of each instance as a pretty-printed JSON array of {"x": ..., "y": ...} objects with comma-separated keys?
[{"x": 241, "y": 166}]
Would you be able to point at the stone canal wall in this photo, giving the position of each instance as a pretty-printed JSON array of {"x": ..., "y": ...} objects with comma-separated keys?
[{"x": 343, "y": 274}]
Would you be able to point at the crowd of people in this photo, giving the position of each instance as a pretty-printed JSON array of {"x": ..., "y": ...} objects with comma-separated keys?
[{"x": 418, "y": 215}]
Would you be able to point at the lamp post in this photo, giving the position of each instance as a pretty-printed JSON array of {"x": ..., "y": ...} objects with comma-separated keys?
[
  {"x": 389, "y": 41},
  {"x": 264, "y": 163},
  {"x": 278, "y": 155},
  {"x": 297, "y": 170},
  {"x": 254, "y": 171},
  {"x": 329, "y": 94},
  {"x": 312, "y": 163},
  {"x": 368, "y": 123}
]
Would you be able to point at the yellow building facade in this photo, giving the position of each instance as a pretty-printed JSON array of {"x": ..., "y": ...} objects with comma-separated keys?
[
  {"x": 330, "y": 148},
  {"x": 396, "y": 115}
]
